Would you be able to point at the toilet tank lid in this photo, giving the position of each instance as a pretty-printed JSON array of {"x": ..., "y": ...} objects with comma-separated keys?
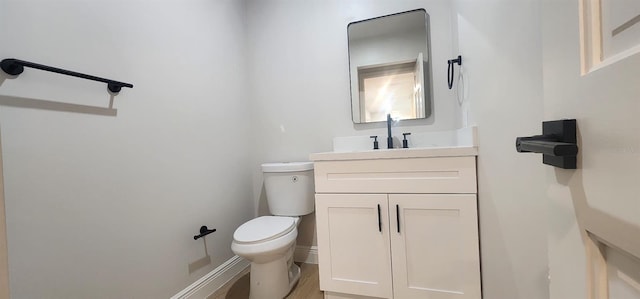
[{"x": 287, "y": 166}]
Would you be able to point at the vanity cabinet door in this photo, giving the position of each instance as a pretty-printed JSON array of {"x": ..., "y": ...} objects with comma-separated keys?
[
  {"x": 353, "y": 244},
  {"x": 434, "y": 245}
]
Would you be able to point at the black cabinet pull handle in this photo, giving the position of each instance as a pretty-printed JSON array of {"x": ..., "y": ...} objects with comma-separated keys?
[
  {"x": 379, "y": 220},
  {"x": 398, "y": 217}
]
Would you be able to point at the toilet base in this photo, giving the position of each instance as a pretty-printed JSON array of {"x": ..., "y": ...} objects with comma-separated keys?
[
  {"x": 294, "y": 276},
  {"x": 273, "y": 279}
]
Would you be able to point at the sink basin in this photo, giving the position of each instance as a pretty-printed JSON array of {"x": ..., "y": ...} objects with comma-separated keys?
[
  {"x": 461, "y": 142},
  {"x": 398, "y": 153}
]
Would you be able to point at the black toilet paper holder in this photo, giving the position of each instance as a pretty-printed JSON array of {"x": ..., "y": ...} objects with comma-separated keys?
[{"x": 204, "y": 230}]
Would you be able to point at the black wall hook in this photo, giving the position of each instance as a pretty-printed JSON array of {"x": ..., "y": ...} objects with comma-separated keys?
[
  {"x": 203, "y": 232},
  {"x": 450, "y": 71}
]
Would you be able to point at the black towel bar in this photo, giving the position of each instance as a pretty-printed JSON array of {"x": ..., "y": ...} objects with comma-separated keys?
[{"x": 15, "y": 67}]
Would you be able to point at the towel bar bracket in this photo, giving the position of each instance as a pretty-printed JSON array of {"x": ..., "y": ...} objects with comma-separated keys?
[{"x": 10, "y": 67}]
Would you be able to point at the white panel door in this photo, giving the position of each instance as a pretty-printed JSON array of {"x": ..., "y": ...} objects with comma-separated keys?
[
  {"x": 353, "y": 244},
  {"x": 594, "y": 212},
  {"x": 434, "y": 245}
]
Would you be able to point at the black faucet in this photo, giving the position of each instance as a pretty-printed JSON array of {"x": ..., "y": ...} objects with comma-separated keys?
[{"x": 389, "y": 138}]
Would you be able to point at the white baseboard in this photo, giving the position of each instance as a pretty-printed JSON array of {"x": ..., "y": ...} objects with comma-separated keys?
[
  {"x": 306, "y": 254},
  {"x": 214, "y": 280}
]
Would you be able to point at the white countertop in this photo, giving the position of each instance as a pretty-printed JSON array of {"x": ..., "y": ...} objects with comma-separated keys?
[{"x": 397, "y": 153}]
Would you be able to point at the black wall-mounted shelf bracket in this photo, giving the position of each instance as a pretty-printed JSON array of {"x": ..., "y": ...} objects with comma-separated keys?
[
  {"x": 557, "y": 144},
  {"x": 15, "y": 67}
]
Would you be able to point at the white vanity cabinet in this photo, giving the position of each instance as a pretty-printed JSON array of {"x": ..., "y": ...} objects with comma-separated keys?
[
  {"x": 397, "y": 227},
  {"x": 354, "y": 249}
]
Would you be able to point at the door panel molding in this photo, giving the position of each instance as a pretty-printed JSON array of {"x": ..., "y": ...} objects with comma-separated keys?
[
  {"x": 602, "y": 226},
  {"x": 612, "y": 273}
]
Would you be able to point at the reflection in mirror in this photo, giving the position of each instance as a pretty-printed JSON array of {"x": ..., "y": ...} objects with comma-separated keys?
[{"x": 389, "y": 67}]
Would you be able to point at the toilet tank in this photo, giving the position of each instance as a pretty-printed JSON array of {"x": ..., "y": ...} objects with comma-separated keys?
[{"x": 289, "y": 187}]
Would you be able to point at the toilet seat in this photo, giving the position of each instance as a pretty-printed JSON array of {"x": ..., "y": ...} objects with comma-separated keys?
[{"x": 264, "y": 229}]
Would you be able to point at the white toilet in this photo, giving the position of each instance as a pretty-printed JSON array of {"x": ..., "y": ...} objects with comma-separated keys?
[{"x": 269, "y": 241}]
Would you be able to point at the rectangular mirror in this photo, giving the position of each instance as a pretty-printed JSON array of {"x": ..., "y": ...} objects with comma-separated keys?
[{"x": 389, "y": 66}]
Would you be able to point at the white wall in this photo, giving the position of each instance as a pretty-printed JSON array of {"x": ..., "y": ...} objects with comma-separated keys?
[
  {"x": 106, "y": 207},
  {"x": 299, "y": 78},
  {"x": 500, "y": 41},
  {"x": 4, "y": 259}
]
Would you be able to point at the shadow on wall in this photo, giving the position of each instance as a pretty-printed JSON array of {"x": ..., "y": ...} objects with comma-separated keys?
[
  {"x": 56, "y": 106},
  {"x": 609, "y": 242},
  {"x": 489, "y": 216},
  {"x": 606, "y": 227},
  {"x": 596, "y": 225},
  {"x": 31, "y": 103},
  {"x": 263, "y": 207}
]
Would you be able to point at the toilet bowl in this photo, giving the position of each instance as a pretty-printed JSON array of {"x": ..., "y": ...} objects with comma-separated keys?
[
  {"x": 265, "y": 238},
  {"x": 269, "y": 241},
  {"x": 273, "y": 273}
]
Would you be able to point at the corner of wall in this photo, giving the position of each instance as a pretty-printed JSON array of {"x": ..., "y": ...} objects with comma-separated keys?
[{"x": 4, "y": 259}]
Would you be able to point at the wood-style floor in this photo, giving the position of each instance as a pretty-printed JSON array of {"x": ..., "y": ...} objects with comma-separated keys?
[{"x": 307, "y": 288}]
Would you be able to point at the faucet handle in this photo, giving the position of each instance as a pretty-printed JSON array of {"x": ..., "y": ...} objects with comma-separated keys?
[
  {"x": 405, "y": 142},
  {"x": 375, "y": 142}
]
